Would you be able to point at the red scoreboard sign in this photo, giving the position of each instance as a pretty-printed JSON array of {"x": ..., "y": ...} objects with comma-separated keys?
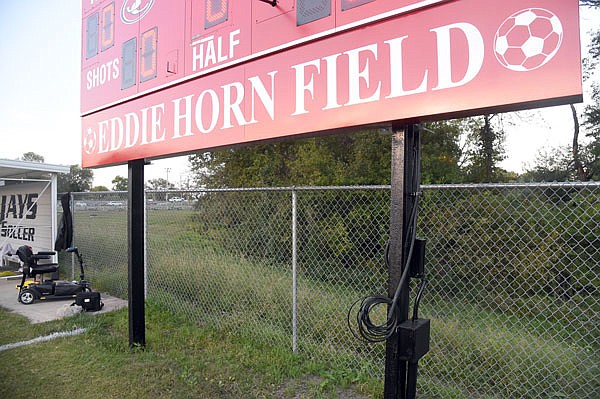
[{"x": 169, "y": 77}]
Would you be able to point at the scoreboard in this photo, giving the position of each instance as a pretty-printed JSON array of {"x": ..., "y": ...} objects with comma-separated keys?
[
  {"x": 133, "y": 46},
  {"x": 166, "y": 77}
]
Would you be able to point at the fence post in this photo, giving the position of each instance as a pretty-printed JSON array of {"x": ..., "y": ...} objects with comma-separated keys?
[
  {"x": 145, "y": 247},
  {"x": 72, "y": 206},
  {"x": 294, "y": 271}
]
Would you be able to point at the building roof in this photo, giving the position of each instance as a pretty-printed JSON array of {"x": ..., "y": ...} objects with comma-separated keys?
[{"x": 12, "y": 169}]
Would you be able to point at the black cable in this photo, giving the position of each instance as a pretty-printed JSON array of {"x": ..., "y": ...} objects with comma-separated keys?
[
  {"x": 422, "y": 285},
  {"x": 368, "y": 330}
]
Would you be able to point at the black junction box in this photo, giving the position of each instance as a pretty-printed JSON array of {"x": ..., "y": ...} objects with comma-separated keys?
[{"x": 414, "y": 339}]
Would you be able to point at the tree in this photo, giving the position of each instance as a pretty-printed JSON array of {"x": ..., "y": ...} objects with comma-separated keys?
[
  {"x": 581, "y": 161},
  {"x": 580, "y": 171},
  {"x": 486, "y": 149},
  {"x": 442, "y": 155},
  {"x": 99, "y": 188},
  {"x": 32, "y": 157},
  {"x": 344, "y": 159},
  {"x": 77, "y": 180},
  {"x": 550, "y": 165},
  {"x": 591, "y": 115},
  {"x": 159, "y": 184},
  {"x": 120, "y": 183}
]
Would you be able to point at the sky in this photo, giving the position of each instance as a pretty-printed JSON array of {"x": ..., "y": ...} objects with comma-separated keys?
[{"x": 40, "y": 47}]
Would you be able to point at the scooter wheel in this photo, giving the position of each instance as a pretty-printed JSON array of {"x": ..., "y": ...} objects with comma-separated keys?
[{"x": 26, "y": 297}]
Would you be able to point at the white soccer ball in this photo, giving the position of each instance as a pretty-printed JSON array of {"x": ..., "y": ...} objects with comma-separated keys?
[
  {"x": 89, "y": 141},
  {"x": 528, "y": 39}
]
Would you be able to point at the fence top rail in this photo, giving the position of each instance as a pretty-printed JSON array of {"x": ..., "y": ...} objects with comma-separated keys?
[
  {"x": 291, "y": 188},
  {"x": 514, "y": 185},
  {"x": 590, "y": 184}
]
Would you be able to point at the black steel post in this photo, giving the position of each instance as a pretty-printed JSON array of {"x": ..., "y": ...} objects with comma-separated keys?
[
  {"x": 411, "y": 380},
  {"x": 405, "y": 155},
  {"x": 136, "y": 216}
]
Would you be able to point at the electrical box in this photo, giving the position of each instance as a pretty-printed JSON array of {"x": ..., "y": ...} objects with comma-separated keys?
[
  {"x": 417, "y": 262},
  {"x": 414, "y": 339}
]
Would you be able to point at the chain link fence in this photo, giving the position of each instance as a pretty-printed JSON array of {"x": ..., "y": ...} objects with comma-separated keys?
[{"x": 514, "y": 275}]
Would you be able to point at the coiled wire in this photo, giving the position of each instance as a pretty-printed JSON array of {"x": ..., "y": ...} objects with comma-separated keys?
[{"x": 367, "y": 329}]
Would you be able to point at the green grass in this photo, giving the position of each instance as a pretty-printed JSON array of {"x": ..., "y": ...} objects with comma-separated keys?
[
  {"x": 181, "y": 360},
  {"x": 476, "y": 351}
]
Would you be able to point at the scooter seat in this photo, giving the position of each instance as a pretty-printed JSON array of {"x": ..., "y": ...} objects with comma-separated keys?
[{"x": 42, "y": 269}]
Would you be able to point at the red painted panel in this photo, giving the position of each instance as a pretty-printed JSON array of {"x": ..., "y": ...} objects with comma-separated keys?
[
  {"x": 189, "y": 47},
  {"x": 450, "y": 60}
]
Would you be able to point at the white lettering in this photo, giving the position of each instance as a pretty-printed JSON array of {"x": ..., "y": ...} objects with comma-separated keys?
[
  {"x": 186, "y": 117},
  {"x": 103, "y": 144},
  {"x": 208, "y": 51},
  {"x": 268, "y": 101},
  {"x": 229, "y": 106},
  {"x": 132, "y": 129},
  {"x": 356, "y": 74},
  {"x": 332, "y": 88},
  {"x": 476, "y": 54},
  {"x": 396, "y": 71},
  {"x": 197, "y": 57},
  {"x": 116, "y": 133},
  {"x": 303, "y": 86},
  {"x": 144, "y": 113},
  {"x": 214, "y": 99},
  {"x": 157, "y": 114},
  {"x": 102, "y": 74},
  {"x": 233, "y": 42}
]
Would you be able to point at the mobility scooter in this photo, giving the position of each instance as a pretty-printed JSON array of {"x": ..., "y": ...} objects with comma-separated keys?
[{"x": 35, "y": 287}]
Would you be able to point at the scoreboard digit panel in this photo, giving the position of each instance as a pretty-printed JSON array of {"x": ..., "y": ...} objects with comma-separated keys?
[
  {"x": 161, "y": 39},
  {"x": 107, "y": 50},
  {"x": 220, "y": 34}
]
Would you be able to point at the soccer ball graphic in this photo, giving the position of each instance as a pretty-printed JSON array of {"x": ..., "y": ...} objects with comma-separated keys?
[
  {"x": 528, "y": 39},
  {"x": 89, "y": 141}
]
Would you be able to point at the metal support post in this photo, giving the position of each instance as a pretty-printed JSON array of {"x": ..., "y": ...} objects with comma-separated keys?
[
  {"x": 405, "y": 155},
  {"x": 294, "y": 270},
  {"x": 136, "y": 217}
]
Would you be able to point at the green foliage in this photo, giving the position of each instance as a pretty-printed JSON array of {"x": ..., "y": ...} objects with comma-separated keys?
[
  {"x": 590, "y": 3},
  {"x": 119, "y": 183},
  {"x": 550, "y": 165},
  {"x": 359, "y": 158},
  {"x": 154, "y": 184},
  {"x": 486, "y": 150},
  {"x": 504, "y": 315},
  {"x": 76, "y": 181},
  {"x": 591, "y": 116},
  {"x": 441, "y": 154},
  {"x": 548, "y": 252},
  {"x": 32, "y": 157}
]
